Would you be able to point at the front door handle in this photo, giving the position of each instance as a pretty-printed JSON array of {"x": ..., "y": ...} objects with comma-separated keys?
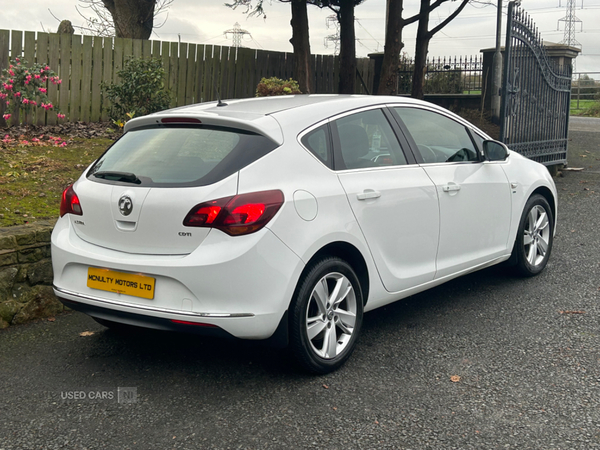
[
  {"x": 451, "y": 187},
  {"x": 368, "y": 193}
]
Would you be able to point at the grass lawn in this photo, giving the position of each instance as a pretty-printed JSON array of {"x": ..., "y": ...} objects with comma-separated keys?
[
  {"x": 34, "y": 174},
  {"x": 584, "y": 105}
]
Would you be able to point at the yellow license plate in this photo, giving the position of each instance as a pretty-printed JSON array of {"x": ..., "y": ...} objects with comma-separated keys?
[{"x": 123, "y": 283}]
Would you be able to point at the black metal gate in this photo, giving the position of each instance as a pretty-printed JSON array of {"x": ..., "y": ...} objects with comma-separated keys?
[{"x": 536, "y": 94}]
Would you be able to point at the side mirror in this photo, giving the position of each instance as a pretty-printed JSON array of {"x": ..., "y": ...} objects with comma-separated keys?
[{"x": 495, "y": 151}]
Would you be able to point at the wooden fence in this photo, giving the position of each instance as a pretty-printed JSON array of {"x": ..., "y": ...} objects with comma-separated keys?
[{"x": 194, "y": 72}]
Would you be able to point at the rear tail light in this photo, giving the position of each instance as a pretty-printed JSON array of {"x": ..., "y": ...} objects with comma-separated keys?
[
  {"x": 69, "y": 203},
  {"x": 238, "y": 215}
]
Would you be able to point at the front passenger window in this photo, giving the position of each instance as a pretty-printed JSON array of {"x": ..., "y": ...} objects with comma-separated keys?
[{"x": 438, "y": 138}]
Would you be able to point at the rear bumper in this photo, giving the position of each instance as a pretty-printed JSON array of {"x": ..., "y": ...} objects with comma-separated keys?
[
  {"x": 242, "y": 287},
  {"x": 184, "y": 324}
]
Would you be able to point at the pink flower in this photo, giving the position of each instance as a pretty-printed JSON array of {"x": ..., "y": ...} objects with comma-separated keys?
[
  {"x": 58, "y": 81},
  {"x": 11, "y": 72},
  {"x": 64, "y": 144},
  {"x": 17, "y": 94},
  {"x": 24, "y": 142},
  {"x": 61, "y": 116},
  {"x": 47, "y": 68},
  {"x": 37, "y": 77},
  {"x": 26, "y": 81},
  {"x": 33, "y": 102},
  {"x": 35, "y": 140},
  {"x": 25, "y": 101},
  {"x": 43, "y": 90},
  {"x": 6, "y": 117}
]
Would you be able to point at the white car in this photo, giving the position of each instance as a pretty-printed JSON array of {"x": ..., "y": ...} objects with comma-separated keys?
[{"x": 286, "y": 218}]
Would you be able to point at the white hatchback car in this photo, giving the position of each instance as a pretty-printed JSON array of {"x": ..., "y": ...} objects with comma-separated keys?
[{"x": 286, "y": 218}]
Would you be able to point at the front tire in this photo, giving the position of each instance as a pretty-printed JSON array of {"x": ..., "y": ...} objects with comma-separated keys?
[
  {"x": 534, "y": 238},
  {"x": 326, "y": 315}
]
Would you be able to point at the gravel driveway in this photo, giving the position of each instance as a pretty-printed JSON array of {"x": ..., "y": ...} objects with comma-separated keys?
[{"x": 487, "y": 361}]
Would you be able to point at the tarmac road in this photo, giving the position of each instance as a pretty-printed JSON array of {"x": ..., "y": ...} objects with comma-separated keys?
[{"x": 526, "y": 350}]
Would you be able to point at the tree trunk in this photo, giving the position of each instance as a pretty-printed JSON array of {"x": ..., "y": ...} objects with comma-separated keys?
[
  {"x": 388, "y": 80},
  {"x": 421, "y": 49},
  {"x": 132, "y": 18},
  {"x": 424, "y": 37},
  {"x": 301, "y": 44},
  {"x": 347, "y": 47}
]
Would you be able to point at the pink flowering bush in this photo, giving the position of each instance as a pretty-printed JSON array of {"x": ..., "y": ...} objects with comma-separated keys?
[{"x": 24, "y": 88}]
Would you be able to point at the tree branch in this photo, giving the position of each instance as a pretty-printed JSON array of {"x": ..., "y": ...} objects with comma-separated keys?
[{"x": 449, "y": 18}]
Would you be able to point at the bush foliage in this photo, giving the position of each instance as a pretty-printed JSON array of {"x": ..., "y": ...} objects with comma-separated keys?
[
  {"x": 141, "y": 90},
  {"x": 276, "y": 86}
]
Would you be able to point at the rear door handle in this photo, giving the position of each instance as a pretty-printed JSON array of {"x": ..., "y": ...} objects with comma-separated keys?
[
  {"x": 368, "y": 193},
  {"x": 451, "y": 187}
]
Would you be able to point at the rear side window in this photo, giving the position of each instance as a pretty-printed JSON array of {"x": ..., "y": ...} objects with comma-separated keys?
[
  {"x": 319, "y": 143},
  {"x": 179, "y": 156}
]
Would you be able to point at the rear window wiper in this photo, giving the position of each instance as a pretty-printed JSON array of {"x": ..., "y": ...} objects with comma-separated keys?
[{"x": 118, "y": 176}]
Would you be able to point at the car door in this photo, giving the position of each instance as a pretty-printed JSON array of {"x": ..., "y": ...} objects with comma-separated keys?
[
  {"x": 394, "y": 201},
  {"x": 474, "y": 195}
]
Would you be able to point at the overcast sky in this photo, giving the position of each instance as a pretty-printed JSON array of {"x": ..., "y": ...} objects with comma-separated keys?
[{"x": 204, "y": 22}]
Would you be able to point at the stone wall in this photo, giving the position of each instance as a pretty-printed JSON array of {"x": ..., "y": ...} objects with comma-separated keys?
[{"x": 26, "y": 274}]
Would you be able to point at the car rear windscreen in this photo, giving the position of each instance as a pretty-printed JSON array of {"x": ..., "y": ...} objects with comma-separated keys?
[{"x": 179, "y": 156}]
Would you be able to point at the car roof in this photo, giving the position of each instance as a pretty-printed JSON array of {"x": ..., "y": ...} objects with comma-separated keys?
[
  {"x": 301, "y": 103},
  {"x": 267, "y": 115}
]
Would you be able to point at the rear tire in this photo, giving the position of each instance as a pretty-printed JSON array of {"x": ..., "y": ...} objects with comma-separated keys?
[
  {"x": 326, "y": 316},
  {"x": 535, "y": 237}
]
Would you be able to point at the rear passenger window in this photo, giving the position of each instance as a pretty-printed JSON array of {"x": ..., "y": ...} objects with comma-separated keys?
[
  {"x": 318, "y": 142},
  {"x": 368, "y": 140}
]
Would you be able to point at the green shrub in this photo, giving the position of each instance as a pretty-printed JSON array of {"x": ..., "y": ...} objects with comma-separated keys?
[
  {"x": 141, "y": 90},
  {"x": 276, "y": 86}
]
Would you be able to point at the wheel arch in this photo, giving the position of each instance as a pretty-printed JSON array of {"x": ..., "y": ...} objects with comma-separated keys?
[
  {"x": 549, "y": 196},
  {"x": 351, "y": 255}
]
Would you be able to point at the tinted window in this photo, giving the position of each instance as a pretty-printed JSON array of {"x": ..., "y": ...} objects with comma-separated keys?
[
  {"x": 181, "y": 156},
  {"x": 318, "y": 142},
  {"x": 438, "y": 138},
  {"x": 367, "y": 140}
]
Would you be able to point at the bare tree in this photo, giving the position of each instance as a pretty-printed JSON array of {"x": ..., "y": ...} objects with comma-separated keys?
[
  {"x": 388, "y": 81},
  {"x": 424, "y": 36},
  {"x": 123, "y": 18},
  {"x": 344, "y": 10},
  {"x": 388, "y": 78},
  {"x": 300, "y": 36}
]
